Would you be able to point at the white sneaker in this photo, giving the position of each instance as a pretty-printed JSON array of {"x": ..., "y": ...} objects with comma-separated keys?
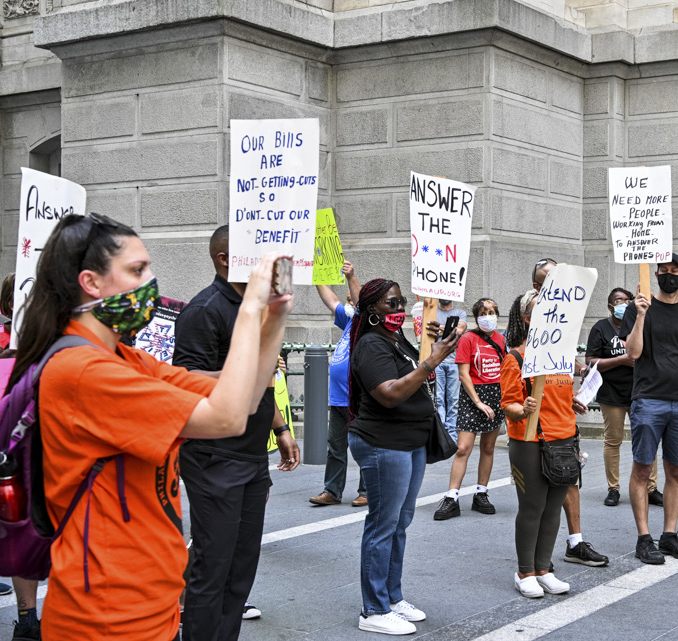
[
  {"x": 529, "y": 586},
  {"x": 389, "y": 623},
  {"x": 553, "y": 585},
  {"x": 407, "y": 610},
  {"x": 250, "y": 611}
]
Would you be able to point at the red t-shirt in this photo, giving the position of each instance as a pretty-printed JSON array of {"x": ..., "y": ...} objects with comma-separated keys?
[
  {"x": 481, "y": 356},
  {"x": 96, "y": 403}
]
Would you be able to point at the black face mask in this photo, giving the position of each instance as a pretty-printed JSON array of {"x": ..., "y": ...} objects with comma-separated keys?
[{"x": 668, "y": 283}]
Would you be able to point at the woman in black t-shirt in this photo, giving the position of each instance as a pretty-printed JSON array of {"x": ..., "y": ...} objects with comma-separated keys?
[
  {"x": 614, "y": 396},
  {"x": 392, "y": 413}
]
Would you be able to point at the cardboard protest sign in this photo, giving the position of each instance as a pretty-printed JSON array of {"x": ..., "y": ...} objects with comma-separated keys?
[
  {"x": 328, "y": 258},
  {"x": 157, "y": 338},
  {"x": 556, "y": 320},
  {"x": 273, "y": 194},
  {"x": 441, "y": 212},
  {"x": 282, "y": 400},
  {"x": 45, "y": 200},
  {"x": 640, "y": 214}
]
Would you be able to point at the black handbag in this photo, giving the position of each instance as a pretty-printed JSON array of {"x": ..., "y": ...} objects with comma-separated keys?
[
  {"x": 440, "y": 445},
  {"x": 560, "y": 464}
]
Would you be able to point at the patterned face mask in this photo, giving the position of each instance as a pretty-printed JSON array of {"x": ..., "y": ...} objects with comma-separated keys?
[{"x": 127, "y": 312}]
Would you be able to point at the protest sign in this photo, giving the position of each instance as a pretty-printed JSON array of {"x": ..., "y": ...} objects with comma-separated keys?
[
  {"x": 441, "y": 211},
  {"x": 45, "y": 199},
  {"x": 328, "y": 258},
  {"x": 282, "y": 400},
  {"x": 273, "y": 194},
  {"x": 555, "y": 324},
  {"x": 640, "y": 214},
  {"x": 157, "y": 338},
  {"x": 556, "y": 320}
]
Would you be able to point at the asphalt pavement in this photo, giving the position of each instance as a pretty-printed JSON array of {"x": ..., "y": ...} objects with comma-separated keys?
[{"x": 460, "y": 572}]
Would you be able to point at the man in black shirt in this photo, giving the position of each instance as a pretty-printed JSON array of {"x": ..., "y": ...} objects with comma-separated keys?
[
  {"x": 227, "y": 480},
  {"x": 650, "y": 328}
]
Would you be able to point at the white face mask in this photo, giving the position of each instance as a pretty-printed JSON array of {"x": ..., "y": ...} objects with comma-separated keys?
[
  {"x": 487, "y": 323},
  {"x": 349, "y": 310}
]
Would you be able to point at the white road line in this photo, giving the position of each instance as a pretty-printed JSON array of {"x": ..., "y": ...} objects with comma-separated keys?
[
  {"x": 10, "y": 599},
  {"x": 356, "y": 517},
  {"x": 582, "y": 605}
]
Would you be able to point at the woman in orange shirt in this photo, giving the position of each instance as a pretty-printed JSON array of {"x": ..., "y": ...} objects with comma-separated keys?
[
  {"x": 105, "y": 399},
  {"x": 539, "y": 504}
]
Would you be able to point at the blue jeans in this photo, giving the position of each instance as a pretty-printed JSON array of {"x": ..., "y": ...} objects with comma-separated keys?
[
  {"x": 447, "y": 396},
  {"x": 392, "y": 479},
  {"x": 653, "y": 420},
  {"x": 337, "y": 453}
]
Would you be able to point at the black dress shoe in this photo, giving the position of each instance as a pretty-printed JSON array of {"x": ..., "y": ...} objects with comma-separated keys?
[
  {"x": 647, "y": 551},
  {"x": 668, "y": 544},
  {"x": 655, "y": 498},
  {"x": 612, "y": 498}
]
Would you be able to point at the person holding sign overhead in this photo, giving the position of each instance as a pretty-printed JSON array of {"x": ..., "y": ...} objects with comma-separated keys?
[
  {"x": 650, "y": 329},
  {"x": 337, "y": 433},
  {"x": 479, "y": 358},
  {"x": 392, "y": 415},
  {"x": 539, "y": 503},
  {"x": 614, "y": 397}
]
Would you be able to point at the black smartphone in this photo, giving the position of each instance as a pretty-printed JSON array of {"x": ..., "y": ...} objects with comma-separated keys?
[
  {"x": 450, "y": 325},
  {"x": 282, "y": 276}
]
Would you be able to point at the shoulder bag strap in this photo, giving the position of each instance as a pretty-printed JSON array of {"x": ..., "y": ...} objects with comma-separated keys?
[{"x": 500, "y": 352}]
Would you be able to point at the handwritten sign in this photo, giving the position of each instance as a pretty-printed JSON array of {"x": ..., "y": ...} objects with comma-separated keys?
[
  {"x": 556, "y": 320},
  {"x": 640, "y": 214},
  {"x": 282, "y": 401},
  {"x": 273, "y": 194},
  {"x": 441, "y": 212},
  {"x": 329, "y": 257},
  {"x": 157, "y": 338},
  {"x": 45, "y": 200}
]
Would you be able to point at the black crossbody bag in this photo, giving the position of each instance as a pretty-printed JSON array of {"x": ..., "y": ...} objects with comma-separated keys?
[{"x": 559, "y": 463}]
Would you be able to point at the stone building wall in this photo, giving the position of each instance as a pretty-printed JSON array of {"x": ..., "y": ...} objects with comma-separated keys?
[{"x": 530, "y": 108}]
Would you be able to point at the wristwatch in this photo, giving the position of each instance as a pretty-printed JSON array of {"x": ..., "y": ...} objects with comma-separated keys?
[{"x": 279, "y": 430}]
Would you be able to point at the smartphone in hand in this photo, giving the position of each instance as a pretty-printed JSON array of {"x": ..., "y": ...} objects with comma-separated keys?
[
  {"x": 450, "y": 325},
  {"x": 282, "y": 276}
]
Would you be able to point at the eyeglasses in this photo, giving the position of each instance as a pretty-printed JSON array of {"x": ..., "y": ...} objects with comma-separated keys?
[
  {"x": 394, "y": 303},
  {"x": 97, "y": 220},
  {"x": 541, "y": 263}
]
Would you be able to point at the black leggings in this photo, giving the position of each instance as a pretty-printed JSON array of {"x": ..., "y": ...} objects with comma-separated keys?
[{"x": 539, "y": 505}]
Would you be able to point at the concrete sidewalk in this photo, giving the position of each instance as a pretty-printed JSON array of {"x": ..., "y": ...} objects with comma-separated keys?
[{"x": 459, "y": 571}]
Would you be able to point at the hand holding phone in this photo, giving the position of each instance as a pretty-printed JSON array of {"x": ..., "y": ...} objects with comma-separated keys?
[
  {"x": 450, "y": 325},
  {"x": 282, "y": 276}
]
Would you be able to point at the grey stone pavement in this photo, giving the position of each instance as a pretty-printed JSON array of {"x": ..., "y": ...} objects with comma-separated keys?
[{"x": 459, "y": 571}]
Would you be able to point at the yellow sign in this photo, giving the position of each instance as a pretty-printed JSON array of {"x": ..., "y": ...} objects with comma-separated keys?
[
  {"x": 282, "y": 400},
  {"x": 328, "y": 257}
]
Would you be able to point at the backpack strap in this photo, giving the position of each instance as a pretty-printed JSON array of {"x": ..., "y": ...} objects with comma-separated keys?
[{"x": 29, "y": 415}]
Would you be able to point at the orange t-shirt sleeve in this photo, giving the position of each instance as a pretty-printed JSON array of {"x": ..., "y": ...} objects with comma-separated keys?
[
  {"x": 512, "y": 391},
  {"x": 135, "y": 413}
]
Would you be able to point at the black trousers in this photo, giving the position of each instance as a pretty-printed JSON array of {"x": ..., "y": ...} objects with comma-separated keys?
[{"x": 228, "y": 499}]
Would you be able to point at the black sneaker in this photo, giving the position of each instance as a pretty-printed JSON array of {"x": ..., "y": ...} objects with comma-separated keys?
[
  {"x": 448, "y": 508},
  {"x": 668, "y": 544},
  {"x": 647, "y": 551},
  {"x": 26, "y": 634},
  {"x": 481, "y": 503},
  {"x": 612, "y": 498},
  {"x": 655, "y": 497},
  {"x": 583, "y": 553}
]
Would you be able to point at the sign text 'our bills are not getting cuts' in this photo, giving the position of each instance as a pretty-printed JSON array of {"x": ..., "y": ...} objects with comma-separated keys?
[{"x": 273, "y": 194}]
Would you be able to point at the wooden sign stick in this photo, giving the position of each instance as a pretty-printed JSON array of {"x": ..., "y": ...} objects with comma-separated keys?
[
  {"x": 430, "y": 313},
  {"x": 645, "y": 284},
  {"x": 533, "y": 419}
]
